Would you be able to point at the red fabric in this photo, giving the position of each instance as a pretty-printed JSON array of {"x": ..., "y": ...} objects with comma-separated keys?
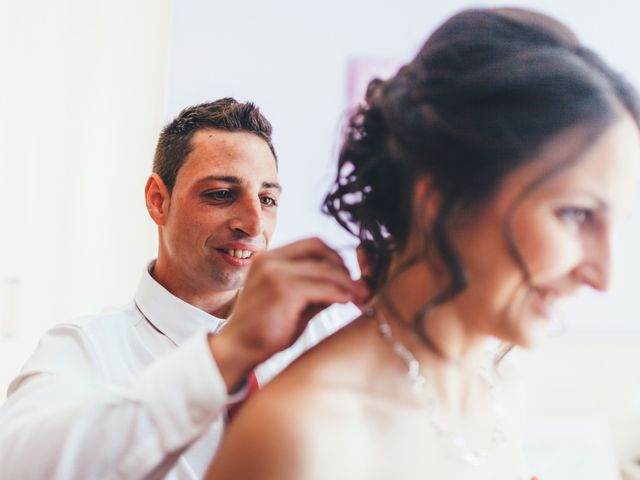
[{"x": 252, "y": 388}]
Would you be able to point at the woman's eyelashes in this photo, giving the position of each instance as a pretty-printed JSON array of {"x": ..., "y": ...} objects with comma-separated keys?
[{"x": 577, "y": 216}]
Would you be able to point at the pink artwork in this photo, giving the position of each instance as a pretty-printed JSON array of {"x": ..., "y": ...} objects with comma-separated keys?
[{"x": 361, "y": 72}]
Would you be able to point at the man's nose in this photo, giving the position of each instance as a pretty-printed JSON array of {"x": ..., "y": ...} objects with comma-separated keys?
[{"x": 248, "y": 218}]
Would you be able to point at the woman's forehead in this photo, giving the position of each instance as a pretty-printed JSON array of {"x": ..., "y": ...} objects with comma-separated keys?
[{"x": 606, "y": 166}]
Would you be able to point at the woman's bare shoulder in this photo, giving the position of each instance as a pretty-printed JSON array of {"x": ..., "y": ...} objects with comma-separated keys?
[
  {"x": 289, "y": 427},
  {"x": 325, "y": 363},
  {"x": 262, "y": 439},
  {"x": 282, "y": 433}
]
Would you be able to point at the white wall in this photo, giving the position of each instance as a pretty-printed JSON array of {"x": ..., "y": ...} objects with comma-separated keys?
[{"x": 82, "y": 93}]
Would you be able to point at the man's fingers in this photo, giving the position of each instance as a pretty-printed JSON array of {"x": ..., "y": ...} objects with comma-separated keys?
[
  {"x": 308, "y": 248},
  {"x": 319, "y": 272},
  {"x": 314, "y": 293}
]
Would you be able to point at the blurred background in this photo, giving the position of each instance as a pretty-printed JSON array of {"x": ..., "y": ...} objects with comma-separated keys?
[{"x": 86, "y": 86}]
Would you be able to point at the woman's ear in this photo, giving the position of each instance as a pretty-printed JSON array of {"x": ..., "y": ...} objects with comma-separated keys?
[
  {"x": 426, "y": 202},
  {"x": 365, "y": 262},
  {"x": 157, "y": 198},
  {"x": 373, "y": 265}
]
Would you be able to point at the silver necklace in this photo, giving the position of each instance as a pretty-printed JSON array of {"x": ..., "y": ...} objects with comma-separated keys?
[{"x": 474, "y": 456}]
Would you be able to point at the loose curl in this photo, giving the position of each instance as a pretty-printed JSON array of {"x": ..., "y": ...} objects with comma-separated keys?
[{"x": 486, "y": 92}]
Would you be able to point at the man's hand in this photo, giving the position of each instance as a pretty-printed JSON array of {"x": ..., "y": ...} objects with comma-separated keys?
[{"x": 284, "y": 289}]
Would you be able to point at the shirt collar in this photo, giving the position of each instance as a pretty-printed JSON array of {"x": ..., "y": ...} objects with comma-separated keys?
[{"x": 174, "y": 317}]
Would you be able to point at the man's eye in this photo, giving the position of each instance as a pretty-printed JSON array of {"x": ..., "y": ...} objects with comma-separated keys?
[
  {"x": 269, "y": 201},
  {"x": 217, "y": 195}
]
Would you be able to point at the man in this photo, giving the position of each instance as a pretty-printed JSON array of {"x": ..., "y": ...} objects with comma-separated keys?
[{"x": 142, "y": 392}]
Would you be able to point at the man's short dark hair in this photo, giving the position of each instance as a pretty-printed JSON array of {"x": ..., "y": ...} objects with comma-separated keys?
[{"x": 227, "y": 114}]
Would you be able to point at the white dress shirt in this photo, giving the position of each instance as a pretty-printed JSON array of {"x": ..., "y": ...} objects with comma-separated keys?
[{"x": 129, "y": 394}]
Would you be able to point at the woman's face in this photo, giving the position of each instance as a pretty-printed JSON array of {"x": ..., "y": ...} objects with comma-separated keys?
[{"x": 561, "y": 229}]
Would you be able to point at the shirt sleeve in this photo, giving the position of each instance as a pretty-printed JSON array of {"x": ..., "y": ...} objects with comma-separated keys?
[{"x": 64, "y": 420}]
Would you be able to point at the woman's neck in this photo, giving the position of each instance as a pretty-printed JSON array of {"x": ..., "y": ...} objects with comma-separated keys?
[{"x": 454, "y": 351}]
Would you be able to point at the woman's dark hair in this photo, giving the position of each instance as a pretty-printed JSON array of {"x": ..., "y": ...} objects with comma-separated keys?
[{"x": 486, "y": 92}]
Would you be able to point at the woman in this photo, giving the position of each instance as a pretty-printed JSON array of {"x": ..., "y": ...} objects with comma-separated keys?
[{"x": 487, "y": 175}]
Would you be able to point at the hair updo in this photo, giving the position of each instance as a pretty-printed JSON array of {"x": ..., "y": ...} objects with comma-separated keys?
[{"x": 485, "y": 93}]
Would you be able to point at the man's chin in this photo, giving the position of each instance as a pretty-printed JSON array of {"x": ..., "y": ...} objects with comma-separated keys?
[{"x": 225, "y": 280}]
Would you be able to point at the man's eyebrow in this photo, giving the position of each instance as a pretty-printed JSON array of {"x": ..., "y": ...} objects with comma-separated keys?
[
  {"x": 274, "y": 185},
  {"x": 220, "y": 178},
  {"x": 237, "y": 181}
]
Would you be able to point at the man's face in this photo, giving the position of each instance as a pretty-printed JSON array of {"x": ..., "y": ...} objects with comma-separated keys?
[{"x": 222, "y": 209}]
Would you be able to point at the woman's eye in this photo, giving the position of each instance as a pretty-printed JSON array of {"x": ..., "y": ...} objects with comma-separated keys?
[{"x": 576, "y": 215}]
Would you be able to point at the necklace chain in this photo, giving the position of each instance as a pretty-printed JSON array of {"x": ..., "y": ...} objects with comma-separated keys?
[{"x": 457, "y": 442}]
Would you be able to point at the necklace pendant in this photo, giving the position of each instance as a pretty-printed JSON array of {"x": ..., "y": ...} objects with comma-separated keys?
[
  {"x": 463, "y": 451},
  {"x": 417, "y": 384},
  {"x": 475, "y": 458},
  {"x": 499, "y": 437}
]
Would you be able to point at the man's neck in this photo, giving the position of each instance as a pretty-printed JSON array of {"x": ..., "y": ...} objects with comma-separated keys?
[{"x": 217, "y": 303}]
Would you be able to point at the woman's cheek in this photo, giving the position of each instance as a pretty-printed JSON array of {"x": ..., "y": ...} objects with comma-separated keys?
[{"x": 551, "y": 252}]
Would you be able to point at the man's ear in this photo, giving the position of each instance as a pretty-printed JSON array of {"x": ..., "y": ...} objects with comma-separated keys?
[{"x": 157, "y": 197}]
